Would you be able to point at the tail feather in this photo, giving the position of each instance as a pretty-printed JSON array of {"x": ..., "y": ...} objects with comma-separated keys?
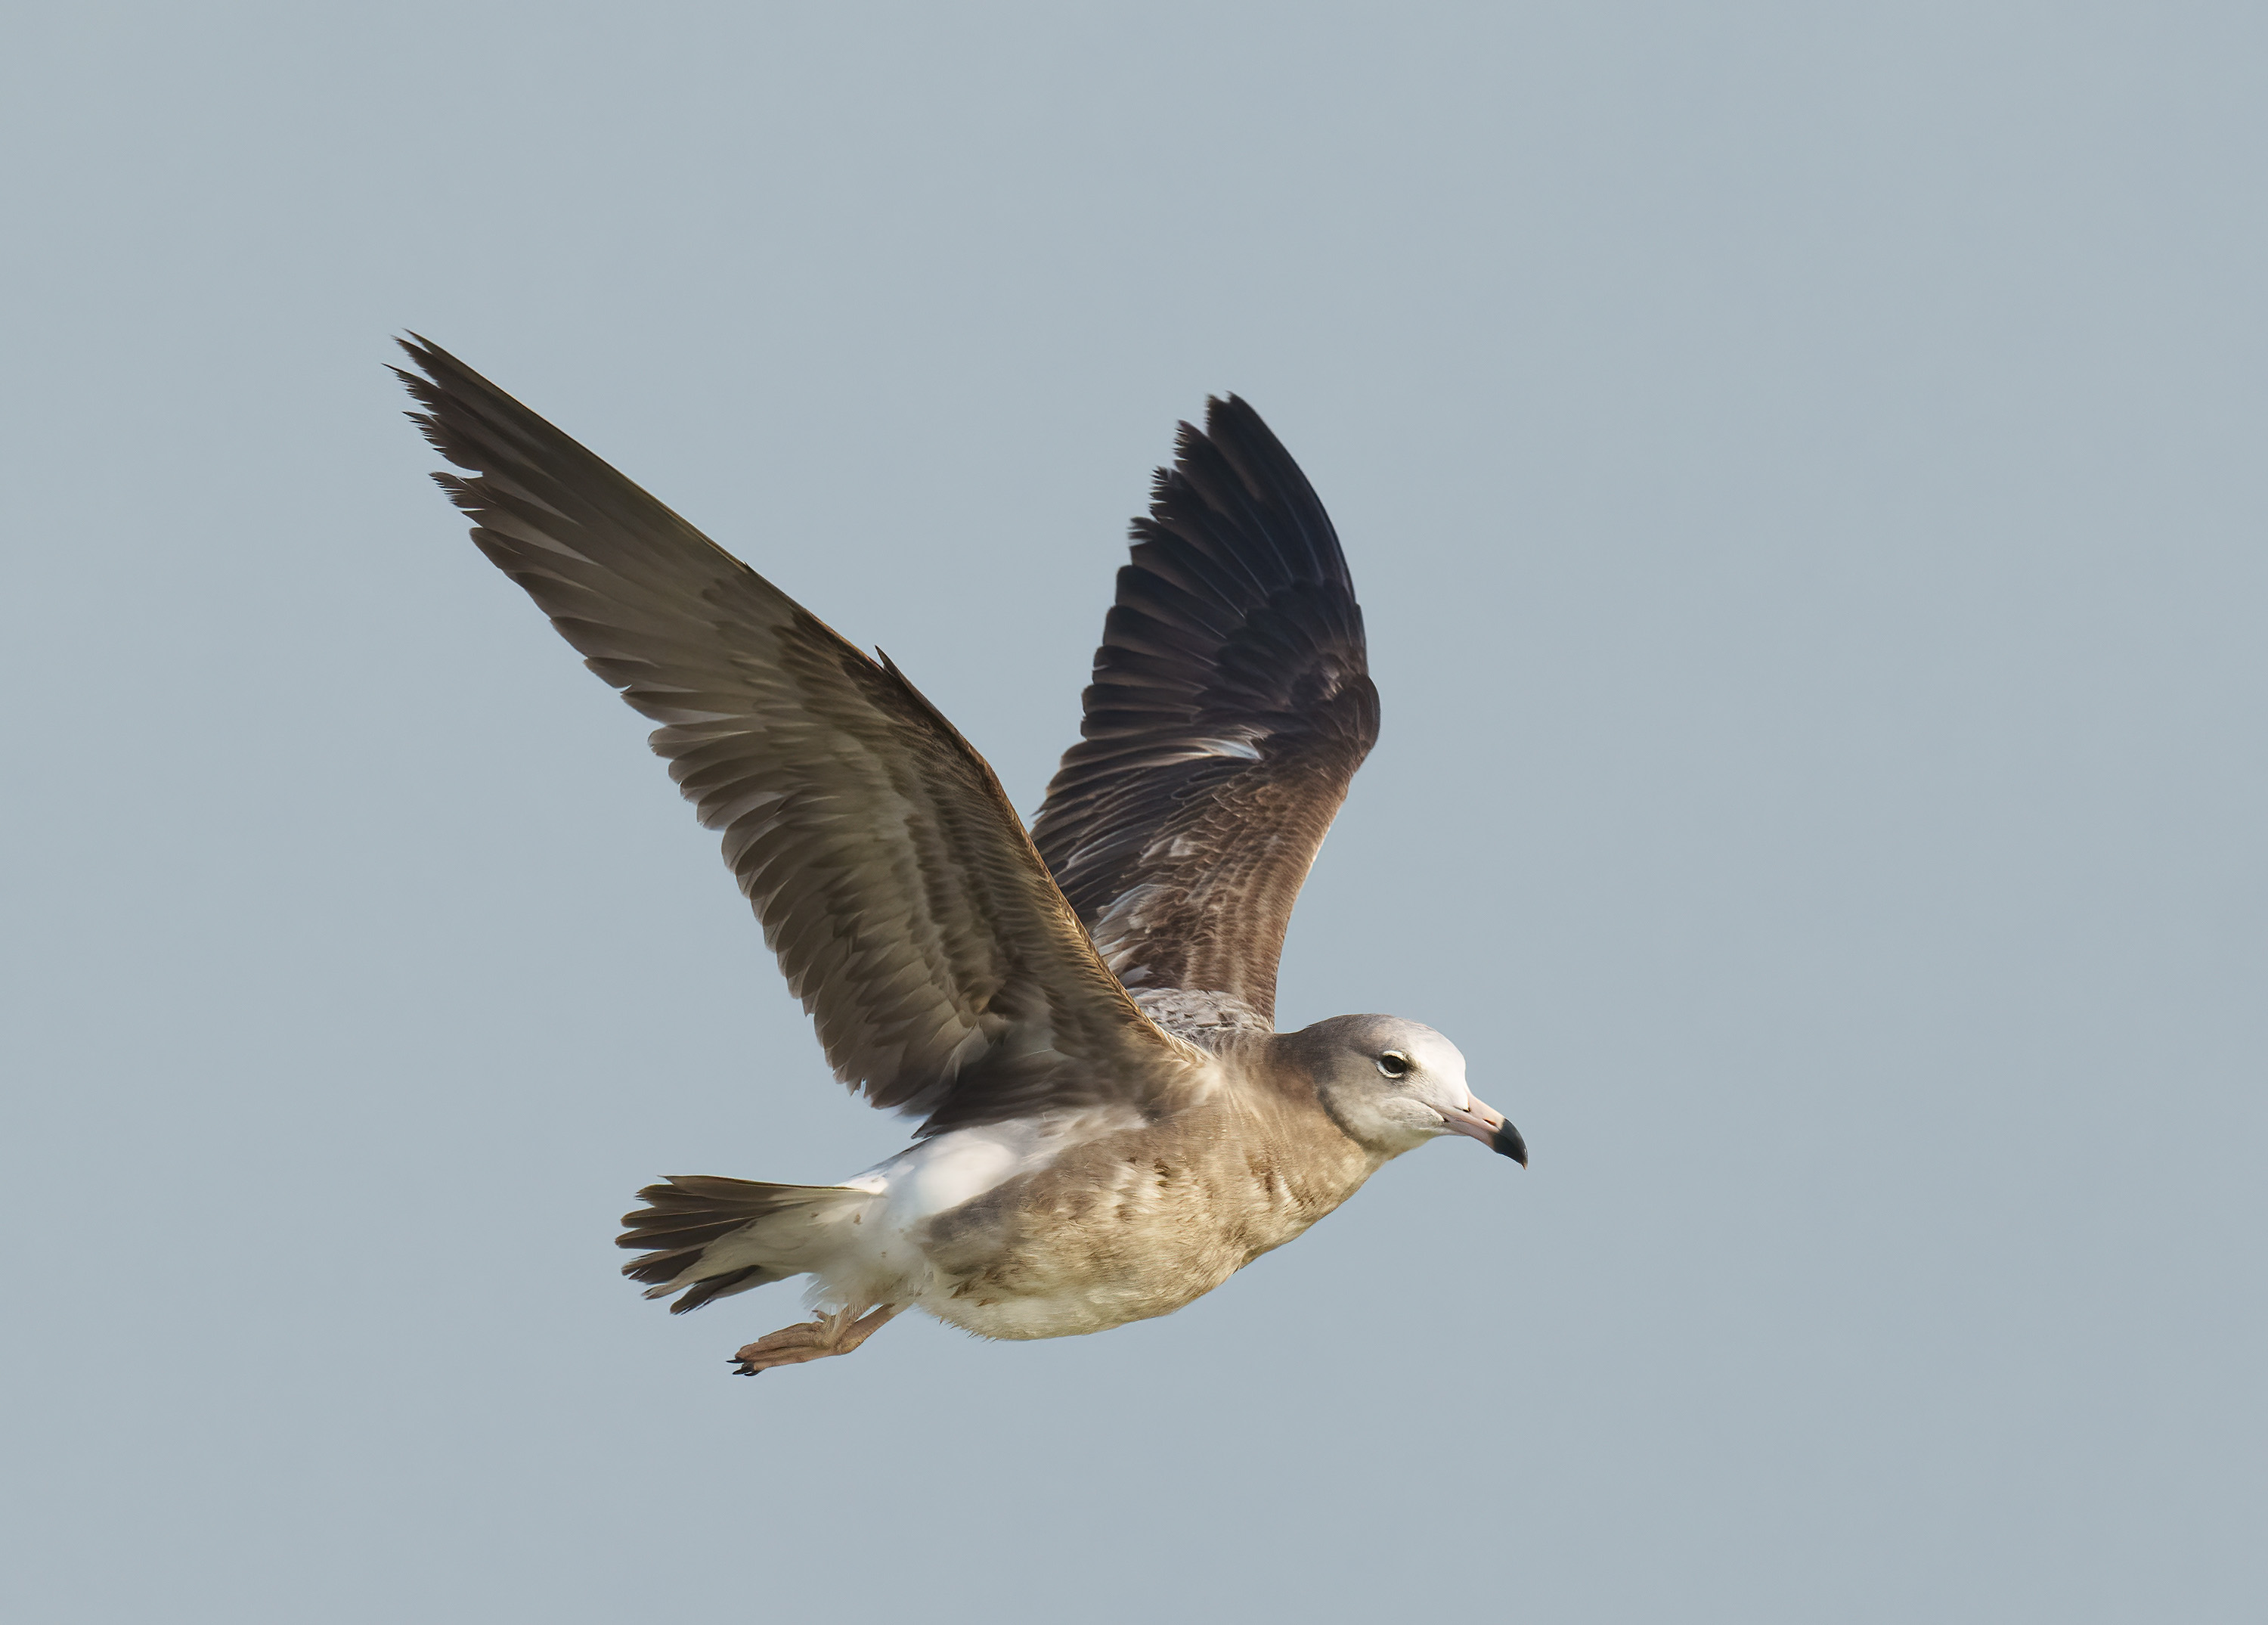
[
  {"x": 711, "y": 1236},
  {"x": 720, "y": 1286}
]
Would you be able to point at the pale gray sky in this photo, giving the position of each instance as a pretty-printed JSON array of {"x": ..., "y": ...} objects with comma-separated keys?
[{"x": 1803, "y": 466}]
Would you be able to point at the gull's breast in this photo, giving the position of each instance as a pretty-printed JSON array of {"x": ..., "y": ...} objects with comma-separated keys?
[{"x": 1127, "y": 1227}]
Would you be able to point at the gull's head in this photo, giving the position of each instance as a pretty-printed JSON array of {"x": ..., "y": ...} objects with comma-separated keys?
[{"x": 1392, "y": 1085}]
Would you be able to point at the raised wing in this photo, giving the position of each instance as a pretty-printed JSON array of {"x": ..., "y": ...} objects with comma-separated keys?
[
  {"x": 946, "y": 972},
  {"x": 1231, "y": 704}
]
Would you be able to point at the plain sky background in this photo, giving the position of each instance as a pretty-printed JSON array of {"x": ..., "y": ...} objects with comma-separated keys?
[{"x": 1804, "y": 468}]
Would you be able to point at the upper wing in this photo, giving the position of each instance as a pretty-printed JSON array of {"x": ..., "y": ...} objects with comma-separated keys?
[
  {"x": 946, "y": 972},
  {"x": 1231, "y": 704}
]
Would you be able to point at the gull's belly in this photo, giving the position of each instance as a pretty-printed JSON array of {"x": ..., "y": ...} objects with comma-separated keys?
[
  {"x": 1065, "y": 1297},
  {"x": 1097, "y": 1241}
]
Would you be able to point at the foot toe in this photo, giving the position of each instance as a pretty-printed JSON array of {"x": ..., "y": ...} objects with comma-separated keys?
[{"x": 787, "y": 1337}]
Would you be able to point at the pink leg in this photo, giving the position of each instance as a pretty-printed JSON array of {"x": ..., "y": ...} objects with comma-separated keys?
[{"x": 814, "y": 1340}]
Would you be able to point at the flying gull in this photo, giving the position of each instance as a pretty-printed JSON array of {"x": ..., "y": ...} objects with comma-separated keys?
[{"x": 1082, "y": 1018}]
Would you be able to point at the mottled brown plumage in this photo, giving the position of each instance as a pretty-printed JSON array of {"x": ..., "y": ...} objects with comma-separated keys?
[
  {"x": 1111, "y": 1124},
  {"x": 1162, "y": 1214}
]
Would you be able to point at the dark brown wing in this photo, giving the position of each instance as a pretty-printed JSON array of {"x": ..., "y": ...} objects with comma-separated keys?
[
  {"x": 1231, "y": 704},
  {"x": 946, "y": 972}
]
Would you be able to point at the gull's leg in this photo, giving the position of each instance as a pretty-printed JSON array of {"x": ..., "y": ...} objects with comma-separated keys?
[{"x": 814, "y": 1340}]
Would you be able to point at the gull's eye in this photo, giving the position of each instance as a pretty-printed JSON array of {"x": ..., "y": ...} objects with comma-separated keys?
[{"x": 1393, "y": 1064}]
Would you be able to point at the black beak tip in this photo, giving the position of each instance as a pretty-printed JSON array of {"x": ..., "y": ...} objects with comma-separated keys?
[{"x": 1506, "y": 1143}]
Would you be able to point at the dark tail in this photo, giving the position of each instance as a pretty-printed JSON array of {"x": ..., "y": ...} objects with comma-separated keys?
[{"x": 711, "y": 1236}]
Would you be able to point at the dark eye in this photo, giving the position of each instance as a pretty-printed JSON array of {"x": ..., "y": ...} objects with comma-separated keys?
[{"x": 1393, "y": 1064}]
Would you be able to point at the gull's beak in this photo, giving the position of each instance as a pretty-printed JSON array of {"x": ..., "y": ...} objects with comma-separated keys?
[{"x": 1486, "y": 1124}]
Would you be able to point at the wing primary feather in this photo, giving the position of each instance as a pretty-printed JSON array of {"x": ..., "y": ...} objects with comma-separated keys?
[
  {"x": 946, "y": 972},
  {"x": 1230, "y": 706}
]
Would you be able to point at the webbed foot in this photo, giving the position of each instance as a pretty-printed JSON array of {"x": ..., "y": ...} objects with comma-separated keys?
[{"x": 814, "y": 1340}]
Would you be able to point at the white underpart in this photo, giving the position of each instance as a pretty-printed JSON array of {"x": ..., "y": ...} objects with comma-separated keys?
[{"x": 876, "y": 1258}]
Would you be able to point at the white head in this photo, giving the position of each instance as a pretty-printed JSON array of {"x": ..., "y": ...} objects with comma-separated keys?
[{"x": 1392, "y": 1085}]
